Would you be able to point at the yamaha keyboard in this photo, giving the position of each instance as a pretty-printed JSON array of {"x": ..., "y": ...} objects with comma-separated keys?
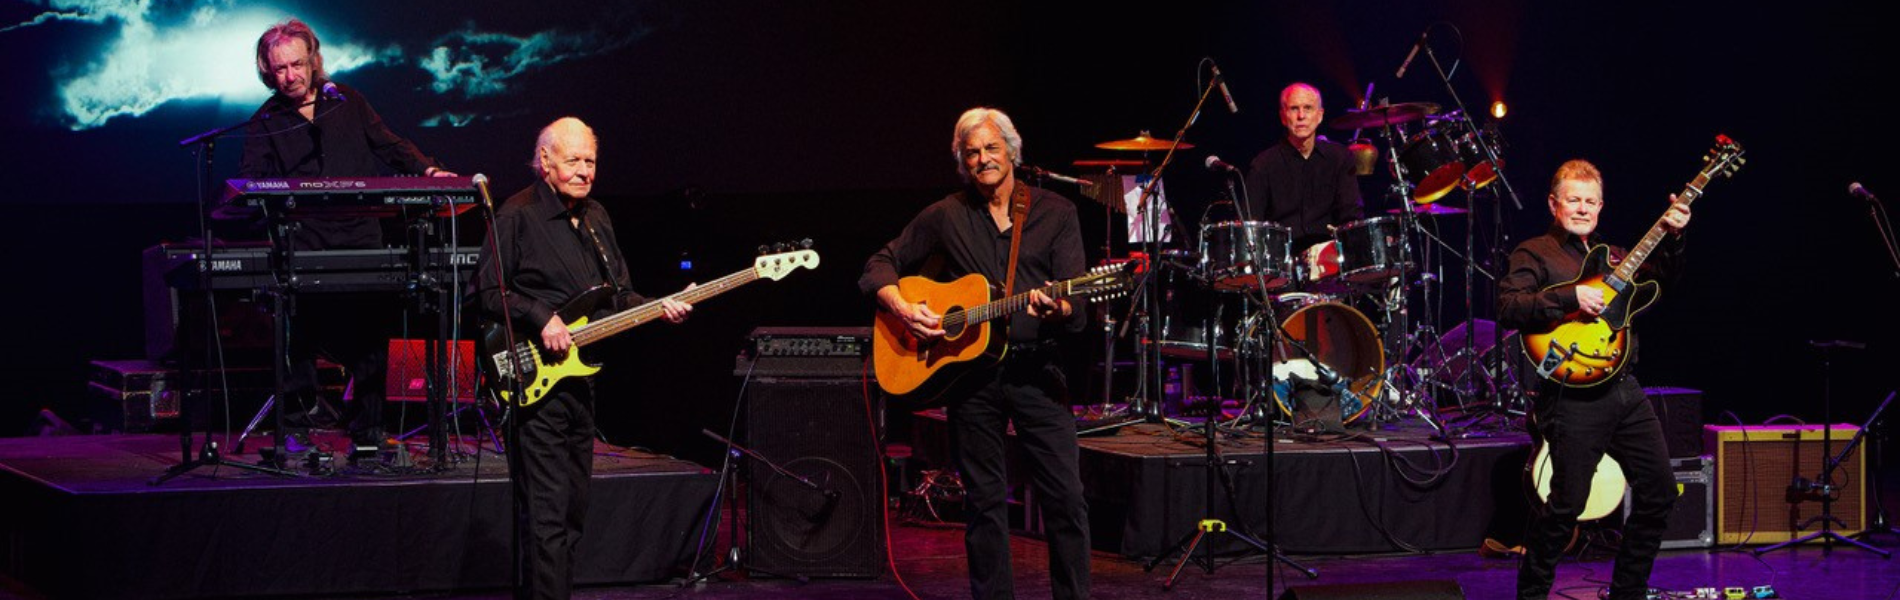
[
  {"x": 315, "y": 271},
  {"x": 348, "y": 197}
]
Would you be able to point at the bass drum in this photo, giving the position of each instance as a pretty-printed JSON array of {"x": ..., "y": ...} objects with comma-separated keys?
[{"x": 1336, "y": 337}]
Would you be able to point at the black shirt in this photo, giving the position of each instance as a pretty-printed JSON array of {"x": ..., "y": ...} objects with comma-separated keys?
[
  {"x": 1304, "y": 193},
  {"x": 347, "y": 139},
  {"x": 547, "y": 260},
  {"x": 955, "y": 236}
]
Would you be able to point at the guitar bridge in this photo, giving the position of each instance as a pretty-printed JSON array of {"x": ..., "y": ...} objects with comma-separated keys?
[{"x": 1554, "y": 356}]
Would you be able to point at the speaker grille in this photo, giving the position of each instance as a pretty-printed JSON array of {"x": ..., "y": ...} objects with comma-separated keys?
[{"x": 818, "y": 430}]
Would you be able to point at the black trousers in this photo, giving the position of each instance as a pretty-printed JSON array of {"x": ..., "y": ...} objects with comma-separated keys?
[
  {"x": 1031, "y": 394},
  {"x": 1580, "y": 426},
  {"x": 556, "y": 463}
]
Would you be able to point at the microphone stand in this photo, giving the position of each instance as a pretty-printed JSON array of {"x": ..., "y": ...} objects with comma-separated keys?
[
  {"x": 518, "y": 573},
  {"x": 209, "y": 454},
  {"x": 1216, "y": 466},
  {"x": 735, "y": 555}
]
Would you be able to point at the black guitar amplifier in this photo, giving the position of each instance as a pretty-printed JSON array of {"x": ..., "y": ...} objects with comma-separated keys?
[
  {"x": 829, "y": 352},
  {"x": 1691, "y": 521}
]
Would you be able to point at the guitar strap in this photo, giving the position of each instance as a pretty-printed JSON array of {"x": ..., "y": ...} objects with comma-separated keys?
[
  {"x": 600, "y": 252},
  {"x": 1018, "y": 214}
]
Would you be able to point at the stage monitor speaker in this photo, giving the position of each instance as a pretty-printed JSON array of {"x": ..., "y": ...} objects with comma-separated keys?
[
  {"x": 1754, "y": 467},
  {"x": 817, "y": 429},
  {"x": 1428, "y": 589}
]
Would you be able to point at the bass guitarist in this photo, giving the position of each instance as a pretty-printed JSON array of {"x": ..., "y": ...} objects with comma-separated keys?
[
  {"x": 972, "y": 232},
  {"x": 554, "y": 243},
  {"x": 1581, "y": 424}
]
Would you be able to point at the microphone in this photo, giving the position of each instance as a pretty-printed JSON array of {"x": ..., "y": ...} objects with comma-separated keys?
[
  {"x": 330, "y": 91},
  {"x": 1229, "y": 96},
  {"x": 1414, "y": 53},
  {"x": 481, "y": 183},
  {"x": 1860, "y": 192},
  {"x": 1214, "y": 163},
  {"x": 1040, "y": 172}
]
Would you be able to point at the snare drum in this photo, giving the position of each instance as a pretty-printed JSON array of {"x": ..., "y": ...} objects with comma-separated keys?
[
  {"x": 1369, "y": 251},
  {"x": 1239, "y": 255}
]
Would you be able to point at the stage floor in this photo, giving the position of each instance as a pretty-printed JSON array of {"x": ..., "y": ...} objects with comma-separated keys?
[
  {"x": 1385, "y": 489},
  {"x": 931, "y": 563},
  {"x": 100, "y": 529}
]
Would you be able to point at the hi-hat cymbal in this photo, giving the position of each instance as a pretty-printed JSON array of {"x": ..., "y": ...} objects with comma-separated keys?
[
  {"x": 1142, "y": 143},
  {"x": 1429, "y": 210},
  {"x": 1381, "y": 116}
]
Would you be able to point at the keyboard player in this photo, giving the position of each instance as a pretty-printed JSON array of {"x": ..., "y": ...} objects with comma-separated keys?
[{"x": 319, "y": 128}]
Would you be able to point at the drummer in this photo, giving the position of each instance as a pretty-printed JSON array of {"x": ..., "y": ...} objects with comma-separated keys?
[{"x": 1304, "y": 182}]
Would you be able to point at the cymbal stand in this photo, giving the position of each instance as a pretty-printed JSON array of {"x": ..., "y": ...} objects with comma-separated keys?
[
  {"x": 1490, "y": 154},
  {"x": 1409, "y": 222},
  {"x": 1145, "y": 303}
]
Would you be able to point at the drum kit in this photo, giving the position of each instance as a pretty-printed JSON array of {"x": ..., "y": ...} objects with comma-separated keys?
[{"x": 1291, "y": 324}]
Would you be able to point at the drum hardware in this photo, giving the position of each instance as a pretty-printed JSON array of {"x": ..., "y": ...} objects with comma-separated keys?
[
  {"x": 1485, "y": 146},
  {"x": 1384, "y": 115},
  {"x": 1144, "y": 143},
  {"x": 1431, "y": 210}
]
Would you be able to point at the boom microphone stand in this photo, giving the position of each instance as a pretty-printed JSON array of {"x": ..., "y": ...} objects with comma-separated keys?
[
  {"x": 208, "y": 454},
  {"x": 1823, "y": 484},
  {"x": 1215, "y": 465}
]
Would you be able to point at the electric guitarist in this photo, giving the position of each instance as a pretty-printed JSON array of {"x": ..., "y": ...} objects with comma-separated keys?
[
  {"x": 1581, "y": 424},
  {"x": 978, "y": 230}
]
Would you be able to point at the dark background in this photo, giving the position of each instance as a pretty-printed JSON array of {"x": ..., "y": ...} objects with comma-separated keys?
[{"x": 730, "y": 124}]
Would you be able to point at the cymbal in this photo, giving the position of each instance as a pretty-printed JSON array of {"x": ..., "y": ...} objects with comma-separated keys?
[
  {"x": 1430, "y": 210},
  {"x": 1142, "y": 143},
  {"x": 1381, "y": 116}
]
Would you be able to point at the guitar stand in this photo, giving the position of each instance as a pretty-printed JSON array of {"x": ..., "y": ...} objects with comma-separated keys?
[{"x": 1824, "y": 481}]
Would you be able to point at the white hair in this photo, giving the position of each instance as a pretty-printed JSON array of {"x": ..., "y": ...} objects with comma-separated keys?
[
  {"x": 977, "y": 117},
  {"x": 551, "y": 134}
]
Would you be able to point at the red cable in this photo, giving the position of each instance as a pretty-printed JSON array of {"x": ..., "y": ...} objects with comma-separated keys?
[{"x": 883, "y": 481}]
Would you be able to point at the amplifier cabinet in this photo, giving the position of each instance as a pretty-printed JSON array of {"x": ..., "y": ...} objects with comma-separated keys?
[
  {"x": 1756, "y": 469},
  {"x": 1692, "y": 519}
]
